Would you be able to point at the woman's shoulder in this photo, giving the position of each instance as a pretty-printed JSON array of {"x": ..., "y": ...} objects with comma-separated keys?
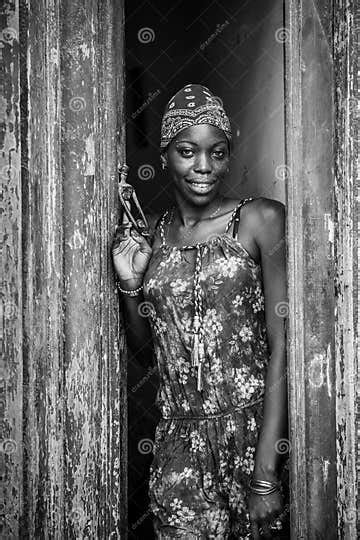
[{"x": 262, "y": 209}]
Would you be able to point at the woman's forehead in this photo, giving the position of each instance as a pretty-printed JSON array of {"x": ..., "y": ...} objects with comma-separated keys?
[{"x": 201, "y": 133}]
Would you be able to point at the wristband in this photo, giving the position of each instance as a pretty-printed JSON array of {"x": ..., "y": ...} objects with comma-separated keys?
[
  {"x": 263, "y": 487},
  {"x": 131, "y": 292}
]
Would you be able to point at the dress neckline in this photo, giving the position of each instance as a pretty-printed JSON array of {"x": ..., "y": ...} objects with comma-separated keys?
[{"x": 214, "y": 238}]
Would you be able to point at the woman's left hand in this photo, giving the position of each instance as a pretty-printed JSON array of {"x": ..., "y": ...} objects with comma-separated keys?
[{"x": 263, "y": 509}]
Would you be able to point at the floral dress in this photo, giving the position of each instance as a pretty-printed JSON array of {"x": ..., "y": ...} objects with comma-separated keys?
[{"x": 205, "y": 440}]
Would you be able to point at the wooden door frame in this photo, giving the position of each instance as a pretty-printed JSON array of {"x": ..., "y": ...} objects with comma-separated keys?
[
  {"x": 63, "y": 437},
  {"x": 39, "y": 369},
  {"x": 334, "y": 222}
]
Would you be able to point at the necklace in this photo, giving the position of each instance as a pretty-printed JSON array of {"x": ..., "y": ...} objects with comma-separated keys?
[{"x": 198, "y": 349}]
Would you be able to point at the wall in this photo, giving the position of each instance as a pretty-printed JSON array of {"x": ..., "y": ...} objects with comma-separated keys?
[{"x": 62, "y": 378}]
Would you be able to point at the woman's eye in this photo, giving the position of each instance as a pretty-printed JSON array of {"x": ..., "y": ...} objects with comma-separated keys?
[{"x": 186, "y": 152}]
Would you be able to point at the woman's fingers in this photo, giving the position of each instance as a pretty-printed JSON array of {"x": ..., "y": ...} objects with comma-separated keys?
[{"x": 136, "y": 235}]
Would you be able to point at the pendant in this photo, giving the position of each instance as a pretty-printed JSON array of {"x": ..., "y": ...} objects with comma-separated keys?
[
  {"x": 199, "y": 384},
  {"x": 195, "y": 350},
  {"x": 198, "y": 356}
]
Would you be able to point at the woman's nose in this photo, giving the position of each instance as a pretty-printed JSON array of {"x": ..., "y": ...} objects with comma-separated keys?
[{"x": 203, "y": 163}]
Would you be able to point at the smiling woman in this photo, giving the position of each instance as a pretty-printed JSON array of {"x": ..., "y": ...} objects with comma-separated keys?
[
  {"x": 214, "y": 287},
  {"x": 207, "y": 147}
]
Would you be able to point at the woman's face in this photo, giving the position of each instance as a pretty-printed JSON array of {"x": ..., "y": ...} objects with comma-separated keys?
[{"x": 198, "y": 159}]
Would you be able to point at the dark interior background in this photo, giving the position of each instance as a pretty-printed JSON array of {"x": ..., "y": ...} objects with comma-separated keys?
[{"x": 236, "y": 49}]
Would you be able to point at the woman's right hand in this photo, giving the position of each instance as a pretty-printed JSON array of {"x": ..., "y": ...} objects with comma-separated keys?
[{"x": 131, "y": 255}]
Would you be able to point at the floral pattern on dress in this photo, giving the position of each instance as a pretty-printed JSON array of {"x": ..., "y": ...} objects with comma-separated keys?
[{"x": 199, "y": 475}]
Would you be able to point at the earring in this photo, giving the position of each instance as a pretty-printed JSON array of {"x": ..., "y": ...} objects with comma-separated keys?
[{"x": 163, "y": 164}]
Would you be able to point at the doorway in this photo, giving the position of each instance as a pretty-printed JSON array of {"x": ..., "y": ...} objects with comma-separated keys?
[
  {"x": 237, "y": 50},
  {"x": 64, "y": 429}
]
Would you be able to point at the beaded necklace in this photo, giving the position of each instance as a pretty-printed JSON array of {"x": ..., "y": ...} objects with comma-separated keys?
[{"x": 198, "y": 349}]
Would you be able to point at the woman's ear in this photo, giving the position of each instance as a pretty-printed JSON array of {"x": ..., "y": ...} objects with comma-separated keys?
[{"x": 163, "y": 161}]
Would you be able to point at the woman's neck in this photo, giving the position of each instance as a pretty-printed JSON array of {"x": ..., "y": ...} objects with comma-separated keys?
[{"x": 189, "y": 215}]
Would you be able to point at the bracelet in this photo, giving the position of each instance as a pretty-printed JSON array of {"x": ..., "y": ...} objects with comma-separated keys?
[
  {"x": 131, "y": 292},
  {"x": 263, "y": 487}
]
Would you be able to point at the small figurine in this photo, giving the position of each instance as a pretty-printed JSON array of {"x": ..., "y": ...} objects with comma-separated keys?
[{"x": 127, "y": 195}]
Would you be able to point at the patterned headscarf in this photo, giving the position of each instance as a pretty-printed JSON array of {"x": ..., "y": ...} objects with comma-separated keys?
[{"x": 193, "y": 104}]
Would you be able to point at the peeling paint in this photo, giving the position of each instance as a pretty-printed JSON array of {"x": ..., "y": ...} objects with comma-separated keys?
[
  {"x": 329, "y": 226},
  {"x": 319, "y": 266},
  {"x": 89, "y": 156},
  {"x": 325, "y": 465},
  {"x": 65, "y": 375}
]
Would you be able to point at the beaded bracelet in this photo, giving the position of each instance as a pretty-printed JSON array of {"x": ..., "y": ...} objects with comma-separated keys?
[
  {"x": 263, "y": 487},
  {"x": 131, "y": 292}
]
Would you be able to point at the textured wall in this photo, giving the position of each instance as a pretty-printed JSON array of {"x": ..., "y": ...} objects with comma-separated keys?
[
  {"x": 64, "y": 424},
  {"x": 321, "y": 241}
]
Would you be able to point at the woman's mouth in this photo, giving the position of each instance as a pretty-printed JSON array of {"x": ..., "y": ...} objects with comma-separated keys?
[{"x": 200, "y": 188}]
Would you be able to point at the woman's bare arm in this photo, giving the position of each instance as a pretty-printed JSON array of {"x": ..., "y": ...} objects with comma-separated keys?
[{"x": 270, "y": 237}]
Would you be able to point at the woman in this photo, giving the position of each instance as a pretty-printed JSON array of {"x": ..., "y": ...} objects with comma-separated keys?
[{"x": 214, "y": 286}]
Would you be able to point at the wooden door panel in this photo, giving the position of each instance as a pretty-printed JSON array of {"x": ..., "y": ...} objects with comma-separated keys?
[{"x": 65, "y": 401}]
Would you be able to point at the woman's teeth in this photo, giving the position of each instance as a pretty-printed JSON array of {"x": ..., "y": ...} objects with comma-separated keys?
[{"x": 200, "y": 187}]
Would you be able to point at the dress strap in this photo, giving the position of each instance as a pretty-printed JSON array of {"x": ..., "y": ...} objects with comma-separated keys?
[
  {"x": 157, "y": 222},
  {"x": 161, "y": 221},
  {"x": 235, "y": 216}
]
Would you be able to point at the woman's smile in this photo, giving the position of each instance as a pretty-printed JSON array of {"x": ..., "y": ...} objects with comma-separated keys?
[{"x": 200, "y": 186}]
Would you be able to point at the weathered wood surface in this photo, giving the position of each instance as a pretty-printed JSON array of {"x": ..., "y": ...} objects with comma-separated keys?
[
  {"x": 295, "y": 272},
  {"x": 66, "y": 425},
  {"x": 346, "y": 246},
  {"x": 63, "y": 371},
  {"x": 11, "y": 375},
  {"x": 322, "y": 375}
]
